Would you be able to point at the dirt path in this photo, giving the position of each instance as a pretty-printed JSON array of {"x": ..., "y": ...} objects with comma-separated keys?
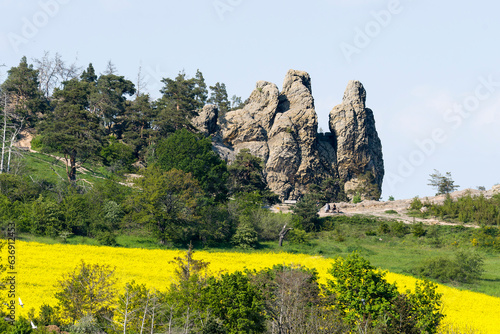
[{"x": 379, "y": 209}]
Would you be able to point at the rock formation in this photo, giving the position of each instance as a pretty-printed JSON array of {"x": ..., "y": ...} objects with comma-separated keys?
[
  {"x": 281, "y": 129},
  {"x": 357, "y": 144}
]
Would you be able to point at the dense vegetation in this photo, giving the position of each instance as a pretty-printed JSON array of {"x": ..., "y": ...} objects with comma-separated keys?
[
  {"x": 91, "y": 130},
  {"x": 278, "y": 299}
]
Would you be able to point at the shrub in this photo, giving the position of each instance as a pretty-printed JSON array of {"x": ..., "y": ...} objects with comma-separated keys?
[
  {"x": 416, "y": 204},
  {"x": 356, "y": 199},
  {"x": 418, "y": 230},
  {"x": 384, "y": 228},
  {"x": 298, "y": 236},
  {"x": 245, "y": 237},
  {"x": 391, "y": 198},
  {"x": 463, "y": 268},
  {"x": 392, "y": 212},
  {"x": 399, "y": 229}
]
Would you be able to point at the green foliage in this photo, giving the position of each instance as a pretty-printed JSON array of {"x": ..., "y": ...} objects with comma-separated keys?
[
  {"x": 361, "y": 292},
  {"x": 418, "y": 229},
  {"x": 236, "y": 302},
  {"x": 391, "y": 212},
  {"x": 298, "y": 236},
  {"x": 365, "y": 297},
  {"x": 71, "y": 129},
  {"x": 20, "y": 326},
  {"x": 117, "y": 156},
  {"x": 22, "y": 85},
  {"x": 218, "y": 96},
  {"x": 181, "y": 99},
  {"x": 487, "y": 237},
  {"x": 246, "y": 175},
  {"x": 306, "y": 213},
  {"x": 36, "y": 143},
  {"x": 399, "y": 229},
  {"x": 87, "y": 325},
  {"x": 88, "y": 291},
  {"x": 391, "y": 198},
  {"x": 384, "y": 228},
  {"x": 466, "y": 209},
  {"x": 107, "y": 238},
  {"x": 245, "y": 237},
  {"x": 192, "y": 153},
  {"x": 416, "y": 204},
  {"x": 357, "y": 199},
  {"x": 329, "y": 191},
  {"x": 463, "y": 268},
  {"x": 168, "y": 202},
  {"x": 443, "y": 184}
]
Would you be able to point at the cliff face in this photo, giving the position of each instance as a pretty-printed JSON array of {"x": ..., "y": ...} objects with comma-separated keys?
[
  {"x": 358, "y": 146},
  {"x": 281, "y": 128}
]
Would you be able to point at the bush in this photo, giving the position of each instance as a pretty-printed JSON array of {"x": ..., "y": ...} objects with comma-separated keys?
[
  {"x": 245, "y": 237},
  {"x": 297, "y": 236},
  {"x": 107, "y": 238},
  {"x": 399, "y": 229},
  {"x": 36, "y": 143},
  {"x": 416, "y": 204},
  {"x": 357, "y": 199},
  {"x": 391, "y": 198},
  {"x": 463, "y": 268},
  {"x": 418, "y": 230},
  {"x": 384, "y": 228}
]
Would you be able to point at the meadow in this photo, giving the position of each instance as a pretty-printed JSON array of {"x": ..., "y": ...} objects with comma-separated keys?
[{"x": 39, "y": 266}]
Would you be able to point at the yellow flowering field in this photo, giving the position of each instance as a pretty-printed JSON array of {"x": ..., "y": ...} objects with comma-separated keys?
[{"x": 39, "y": 266}]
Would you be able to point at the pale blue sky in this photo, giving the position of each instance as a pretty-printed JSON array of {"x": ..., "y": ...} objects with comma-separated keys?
[{"x": 430, "y": 68}]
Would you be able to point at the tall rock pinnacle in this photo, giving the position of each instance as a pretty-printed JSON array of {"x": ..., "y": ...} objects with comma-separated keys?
[{"x": 358, "y": 146}]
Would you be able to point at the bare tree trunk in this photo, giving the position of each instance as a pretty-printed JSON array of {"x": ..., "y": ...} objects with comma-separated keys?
[
  {"x": 283, "y": 234},
  {"x": 145, "y": 312},
  {"x": 14, "y": 135},
  {"x": 4, "y": 132}
]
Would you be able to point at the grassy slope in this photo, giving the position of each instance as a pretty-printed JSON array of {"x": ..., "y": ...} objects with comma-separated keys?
[{"x": 391, "y": 253}]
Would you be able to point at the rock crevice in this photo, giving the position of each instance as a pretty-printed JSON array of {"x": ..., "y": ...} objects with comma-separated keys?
[{"x": 281, "y": 129}]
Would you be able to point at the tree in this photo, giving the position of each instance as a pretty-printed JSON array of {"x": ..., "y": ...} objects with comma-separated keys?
[
  {"x": 181, "y": 99},
  {"x": 87, "y": 291},
  {"x": 72, "y": 129},
  {"x": 52, "y": 72},
  {"x": 218, "y": 96},
  {"x": 12, "y": 125},
  {"x": 108, "y": 101},
  {"x": 443, "y": 184},
  {"x": 89, "y": 74},
  {"x": 246, "y": 173},
  {"x": 365, "y": 298},
  {"x": 169, "y": 200},
  {"x": 235, "y": 301},
  {"x": 26, "y": 100},
  {"x": 138, "y": 125},
  {"x": 305, "y": 213},
  {"x": 236, "y": 102},
  {"x": 193, "y": 153},
  {"x": 361, "y": 292}
]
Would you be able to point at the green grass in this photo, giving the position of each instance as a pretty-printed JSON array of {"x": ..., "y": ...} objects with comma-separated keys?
[{"x": 44, "y": 167}]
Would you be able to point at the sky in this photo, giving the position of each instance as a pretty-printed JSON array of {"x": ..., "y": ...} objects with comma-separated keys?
[{"x": 430, "y": 68}]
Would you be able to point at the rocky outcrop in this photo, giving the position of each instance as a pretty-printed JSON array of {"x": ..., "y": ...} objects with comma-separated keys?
[
  {"x": 357, "y": 144},
  {"x": 206, "y": 121},
  {"x": 281, "y": 129}
]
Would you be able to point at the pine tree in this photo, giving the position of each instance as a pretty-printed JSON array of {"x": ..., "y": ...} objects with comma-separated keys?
[{"x": 218, "y": 96}]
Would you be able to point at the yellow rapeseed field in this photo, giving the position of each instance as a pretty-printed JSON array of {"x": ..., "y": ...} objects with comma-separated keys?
[{"x": 39, "y": 266}]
